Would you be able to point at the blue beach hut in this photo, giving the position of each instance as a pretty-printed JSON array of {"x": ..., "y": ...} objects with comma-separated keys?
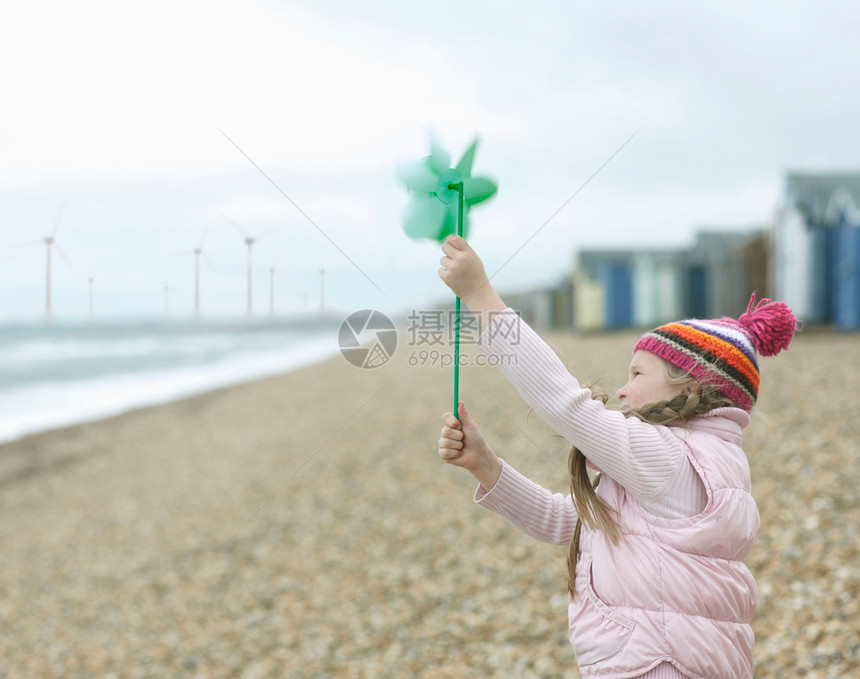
[
  {"x": 817, "y": 248},
  {"x": 609, "y": 272}
]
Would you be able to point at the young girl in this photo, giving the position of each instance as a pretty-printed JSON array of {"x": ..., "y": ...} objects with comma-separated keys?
[{"x": 657, "y": 584}]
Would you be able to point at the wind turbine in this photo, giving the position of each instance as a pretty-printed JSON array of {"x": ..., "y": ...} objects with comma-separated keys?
[
  {"x": 249, "y": 241},
  {"x": 167, "y": 291},
  {"x": 50, "y": 242},
  {"x": 92, "y": 282},
  {"x": 272, "y": 290},
  {"x": 198, "y": 253}
]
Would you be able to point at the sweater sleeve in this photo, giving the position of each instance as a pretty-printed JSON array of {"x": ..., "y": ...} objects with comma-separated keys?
[
  {"x": 645, "y": 459},
  {"x": 545, "y": 516}
]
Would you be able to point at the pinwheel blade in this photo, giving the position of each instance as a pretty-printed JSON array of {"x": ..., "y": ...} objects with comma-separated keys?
[
  {"x": 424, "y": 217},
  {"x": 478, "y": 189},
  {"x": 441, "y": 157},
  {"x": 419, "y": 177},
  {"x": 450, "y": 224},
  {"x": 464, "y": 167}
]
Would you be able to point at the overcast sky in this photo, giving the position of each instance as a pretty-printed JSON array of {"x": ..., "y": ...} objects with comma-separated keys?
[{"x": 117, "y": 113}]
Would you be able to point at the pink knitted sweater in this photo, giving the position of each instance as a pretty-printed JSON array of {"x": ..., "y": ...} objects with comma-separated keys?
[{"x": 649, "y": 464}]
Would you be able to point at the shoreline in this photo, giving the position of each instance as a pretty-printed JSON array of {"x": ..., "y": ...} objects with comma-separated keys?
[{"x": 97, "y": 399}]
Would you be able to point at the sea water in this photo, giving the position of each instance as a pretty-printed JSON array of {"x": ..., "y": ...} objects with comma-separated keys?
[{"x": 59, "y": 374}]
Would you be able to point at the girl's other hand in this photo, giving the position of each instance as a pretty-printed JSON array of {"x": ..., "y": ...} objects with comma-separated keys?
[{"x": 462, "y": 445}]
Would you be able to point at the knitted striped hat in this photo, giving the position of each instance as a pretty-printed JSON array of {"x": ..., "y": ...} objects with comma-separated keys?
[{"x": 722, "y": 352}]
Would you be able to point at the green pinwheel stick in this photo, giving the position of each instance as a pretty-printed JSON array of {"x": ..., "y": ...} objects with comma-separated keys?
[{"x": 433, "y": 213}]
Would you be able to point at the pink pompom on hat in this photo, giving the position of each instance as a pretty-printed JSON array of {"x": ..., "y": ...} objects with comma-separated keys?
[{"x": 722, "y": 352}]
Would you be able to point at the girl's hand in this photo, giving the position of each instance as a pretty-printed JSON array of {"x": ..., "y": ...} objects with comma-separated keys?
[
  {"x": 463, "y": 445},
  {"x": 463, "y": 271}
]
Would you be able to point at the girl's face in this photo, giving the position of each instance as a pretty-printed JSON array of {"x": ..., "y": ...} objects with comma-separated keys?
[{"x": 647, "y": 382}]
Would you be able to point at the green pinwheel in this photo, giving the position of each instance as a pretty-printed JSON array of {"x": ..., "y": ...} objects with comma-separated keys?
[
  {"x": 439, "y": 200},
  {"x": 432, "y": 210}
]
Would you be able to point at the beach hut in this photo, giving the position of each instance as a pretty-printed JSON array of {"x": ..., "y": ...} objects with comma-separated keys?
[
  {"x": 792, "y": 251},
  {"x": 534, "y": 306},
  {"x": 588, "y": 302},
  {"x": 815, "y": 248},
  {"x": 562, "y": 303},
  {"x": 617, "y": 282},
  {"x": 658, "y": 285},
  {"x": 722, "y": 269},
  {"x": 696, "y": 291},
  {"x": 755, "y": 253},
  {"x": 606, "y": 278},
  {"x": 844, "y": 217},
  {"x": 644, "y": 288}
]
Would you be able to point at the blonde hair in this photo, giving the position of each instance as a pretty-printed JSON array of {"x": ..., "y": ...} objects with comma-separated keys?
[{"x": 694, "y": 399}]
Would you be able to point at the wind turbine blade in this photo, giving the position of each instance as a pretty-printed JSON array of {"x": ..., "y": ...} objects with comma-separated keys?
[
  {"x": 59, "y": 217},
  {"x": 203, "y": 240},
  {"x": 270, "y": 232},
  {"x": 206, "y": 259},
  {"x": 235, "y": 226},
  {"x": 184, "y": 252},
  {"x": 63, "y": 255},
  {"x": 28, "y": 244}
]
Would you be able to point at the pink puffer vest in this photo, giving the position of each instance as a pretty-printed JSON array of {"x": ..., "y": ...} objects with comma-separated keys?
[{"x": 674, "y": 590}]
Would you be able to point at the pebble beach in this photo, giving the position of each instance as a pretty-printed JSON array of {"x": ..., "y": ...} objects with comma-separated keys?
[{"x": 303, "y": 526}]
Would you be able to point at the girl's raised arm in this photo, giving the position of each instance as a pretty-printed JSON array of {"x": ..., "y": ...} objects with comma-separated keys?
[{"x": 642, "y": 458}]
